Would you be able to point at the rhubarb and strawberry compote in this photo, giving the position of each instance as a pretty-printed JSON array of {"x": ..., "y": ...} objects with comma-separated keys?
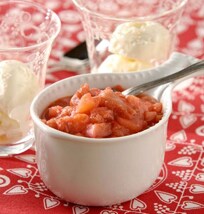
[{"x": 96, "y": 113}]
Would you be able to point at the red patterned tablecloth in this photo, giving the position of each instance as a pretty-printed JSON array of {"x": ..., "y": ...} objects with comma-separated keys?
[{"x": 180, "y": 185}]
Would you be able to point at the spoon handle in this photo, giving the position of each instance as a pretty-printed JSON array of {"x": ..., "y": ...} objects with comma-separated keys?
[{"x": 167, "y": 79}]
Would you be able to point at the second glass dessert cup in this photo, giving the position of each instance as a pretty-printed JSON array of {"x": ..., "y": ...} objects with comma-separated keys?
[
  {"x": 129, "y": 35},
  {"x": 27, "y": 33}
]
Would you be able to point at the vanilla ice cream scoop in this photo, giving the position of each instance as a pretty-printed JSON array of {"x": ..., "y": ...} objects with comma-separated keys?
[
  {"x": 9, "y": 128},
  {"x": 146, "y": 41},
  {"x": 115, "y": 63},
  {"x": 18, "y": 86}
]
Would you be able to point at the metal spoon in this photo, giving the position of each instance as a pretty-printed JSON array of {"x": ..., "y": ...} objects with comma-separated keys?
[{"x": 167, "y": 79}]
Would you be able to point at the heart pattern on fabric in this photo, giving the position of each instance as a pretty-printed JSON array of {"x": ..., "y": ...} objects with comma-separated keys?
[
  {"x": 184, "y": 106},
  {"x": 196, "y": 189},
  {"x": 21, "y": 172},
  {"x": 108, "y": 212},
  {"x": 179, "y": 136},
  {"x": 50, "y": 203},
  {"x": 16, "y": 190},
  {"x": 170, "y": 147},
  {"x": 189, "y": 205},
  {"x": 80, "y": 210},
  {"x": 187, "y": 120},
  {"x": 4, "y": 180},
  {"x": 200, "y": 177},
  {"x": 165, "y": 196},
  {"x": 182, "y": 162},
  {"x": 26, "y": 158},
  {"x": 200, "y": 131},
  {"x": 137, "y": 204},
  {"x": 196, "y": 43}
]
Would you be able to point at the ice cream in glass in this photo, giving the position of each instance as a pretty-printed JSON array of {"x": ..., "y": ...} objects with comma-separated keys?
[{"x": 129, "y": 35}]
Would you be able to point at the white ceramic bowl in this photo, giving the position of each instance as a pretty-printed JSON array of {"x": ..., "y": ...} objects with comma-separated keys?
[{"x": 98, "y": 172}]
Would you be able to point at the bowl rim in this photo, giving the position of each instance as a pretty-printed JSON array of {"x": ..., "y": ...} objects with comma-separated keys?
[{"x": 66, "y": 136}]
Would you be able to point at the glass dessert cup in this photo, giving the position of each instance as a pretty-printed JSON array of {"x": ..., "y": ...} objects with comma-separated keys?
[
  {"x": 128, "y": 36},
  {"x": 27, "y": 32}
]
